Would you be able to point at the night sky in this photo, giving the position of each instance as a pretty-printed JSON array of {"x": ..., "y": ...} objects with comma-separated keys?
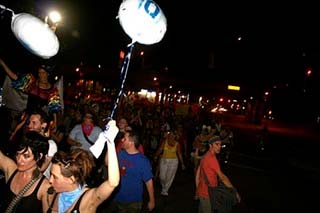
[{"x": 256, "y": 44}]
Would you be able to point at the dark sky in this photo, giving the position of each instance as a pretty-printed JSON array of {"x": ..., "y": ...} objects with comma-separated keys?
[{"x": 278, "y": 41}]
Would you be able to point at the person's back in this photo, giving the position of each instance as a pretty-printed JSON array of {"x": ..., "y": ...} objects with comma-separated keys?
[{"x": 135, "y": 169}]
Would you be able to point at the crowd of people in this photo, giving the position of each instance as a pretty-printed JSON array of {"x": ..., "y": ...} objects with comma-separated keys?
[{"x": 50, "y": 147}]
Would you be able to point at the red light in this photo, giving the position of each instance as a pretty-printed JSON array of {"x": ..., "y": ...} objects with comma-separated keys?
[
  {"x": 121, "y": 54},
  {"x": 309, "y": 71}
]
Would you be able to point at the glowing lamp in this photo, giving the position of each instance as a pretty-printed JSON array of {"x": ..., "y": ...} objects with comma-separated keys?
[{"x": 35, "y": 35}]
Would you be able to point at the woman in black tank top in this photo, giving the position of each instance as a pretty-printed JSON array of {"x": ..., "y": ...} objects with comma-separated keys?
[{"x": 30, "y": 155}]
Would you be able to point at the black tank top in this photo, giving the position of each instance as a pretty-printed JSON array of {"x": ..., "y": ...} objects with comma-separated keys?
[
  {"x": 76, "y": 207},
  {"x": 29, "y": 203}
]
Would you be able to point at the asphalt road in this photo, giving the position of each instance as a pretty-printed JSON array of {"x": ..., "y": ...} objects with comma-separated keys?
[{"x": 284, "y": 177}]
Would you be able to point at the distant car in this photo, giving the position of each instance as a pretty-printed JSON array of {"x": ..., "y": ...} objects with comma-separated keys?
[{"x": 219, "y": 109}]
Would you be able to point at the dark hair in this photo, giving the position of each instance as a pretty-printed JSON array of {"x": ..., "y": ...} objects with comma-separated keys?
[
  {"x": 133, "y": 136},
  {"x": 48, "y": 68},
  {"x": 94, "y": 116},
  {"x": 37, "y": 143},
  {"x": 44, "y": 117},
  {"x": 77, "y": 163},
  {"x": 43, "y": 114}
]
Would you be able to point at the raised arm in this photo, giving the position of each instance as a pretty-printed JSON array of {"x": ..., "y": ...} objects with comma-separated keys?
[
  {"x": 18, "y": 127},
  {"x": 7, "y": 165},
  {"x": 111, "y": 160},
  {"x": 103, "y": 191},
  {"x": 9, "y": 72}
]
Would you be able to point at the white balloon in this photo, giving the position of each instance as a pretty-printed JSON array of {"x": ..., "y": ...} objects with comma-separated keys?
[
  {"x": 143, "y": 21},
  {"x": 35, "y": 35}
]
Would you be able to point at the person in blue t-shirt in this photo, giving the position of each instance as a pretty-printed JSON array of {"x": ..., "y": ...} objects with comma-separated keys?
[{"x": 135, "y": 170}]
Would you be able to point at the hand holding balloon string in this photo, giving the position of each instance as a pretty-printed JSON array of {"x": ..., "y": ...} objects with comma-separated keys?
[
  {"x": 151, "y": 29},
  {"x": 112, "y": 130},
  {"x": 108, "y": 135}
]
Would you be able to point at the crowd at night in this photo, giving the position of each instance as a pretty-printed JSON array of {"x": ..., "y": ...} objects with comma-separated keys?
[{"x": 132, "y": 104}]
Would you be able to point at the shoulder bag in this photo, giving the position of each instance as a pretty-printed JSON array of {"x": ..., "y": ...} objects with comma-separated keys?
[
  {"x": 87, "y": 139},
  {"x": 222, "y": 198}
]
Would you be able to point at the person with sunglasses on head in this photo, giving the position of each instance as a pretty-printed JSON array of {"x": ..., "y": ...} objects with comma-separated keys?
[
  {"x": 26, "y": 187},
  {"x": 70, "y": 171}
]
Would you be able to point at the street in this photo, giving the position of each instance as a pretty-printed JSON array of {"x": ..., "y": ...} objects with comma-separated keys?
[{"x": 284, "y": 177}]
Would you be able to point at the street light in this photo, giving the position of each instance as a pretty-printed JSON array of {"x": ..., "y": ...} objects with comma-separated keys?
[
  {"x": 33, "y": 34},
  {"x": 309, "y": 71},
  {"x": 53, "y": 19},
  {"x": 308, "y": 74},
  {"x": 142, "y": 58}
]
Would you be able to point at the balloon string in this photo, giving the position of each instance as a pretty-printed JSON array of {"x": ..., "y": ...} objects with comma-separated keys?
[
  {"x": 5, "y": 8},
  {"x": 123, "y": 74}
]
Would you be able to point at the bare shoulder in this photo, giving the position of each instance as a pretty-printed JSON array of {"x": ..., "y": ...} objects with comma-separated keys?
[
  {"x": 89, "y": 200},
  {"x": 89, "y": 195},
  {"x": 44, "y": 196},
  {"x": 45, "y": 185},
  {"x": 8, "y": 167},
  {"x": 95, "y": 196}
]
